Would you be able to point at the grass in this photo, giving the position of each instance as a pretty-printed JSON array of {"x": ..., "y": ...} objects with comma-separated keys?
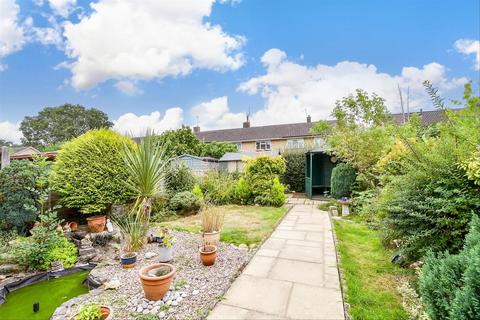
[
  {"x": 243, "y": 224},
  {"x": 371, "y": 278}
]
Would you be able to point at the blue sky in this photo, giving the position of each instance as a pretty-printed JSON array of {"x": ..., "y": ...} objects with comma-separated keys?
[{"x": 274, "y": 59}]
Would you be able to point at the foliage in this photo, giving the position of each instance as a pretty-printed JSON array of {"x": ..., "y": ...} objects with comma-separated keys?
[
  {"x": 179, "y": 178},
  {"x": 89, "y": 312},
  {"x": 179, "y": 142},
  {"x": 90, "y": 172},
  {"x": 412, "y": 303},
  {"x": 343, "y": 178},
  {"x": 45, "y": 246},
  {"x": 212, "y": 218},
  {"x": 167, "y": 238},
  {"x": 262, "y": 177},
  {"x": 218, "y": 188},
  {"x": 216, "y": 149},
  {"x": 450, "y": 284},
  {"x": 185, "y": 202},
  {"x": 430, "y": 205},
  {"x": 242, "y": 192},
  {"x": 132, "y": 228},
  {"x": 294, "y": 176},
  {"x": 21, "y": 196},
  {"x": 6, "y": 143},
  {"x": 198, "y": 192},
  {"x": 54, "y": 125}
]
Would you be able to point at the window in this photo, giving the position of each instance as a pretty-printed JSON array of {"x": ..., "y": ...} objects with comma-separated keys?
[
  {"x": 263, "y": 145},
  {"x": 295, "y": 144},
  {"x": 319, "y": 142},
  {"x": 238, "y": 145}
]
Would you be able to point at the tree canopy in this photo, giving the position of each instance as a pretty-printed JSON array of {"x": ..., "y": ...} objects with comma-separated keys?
[{"x": 54, "y": 125}]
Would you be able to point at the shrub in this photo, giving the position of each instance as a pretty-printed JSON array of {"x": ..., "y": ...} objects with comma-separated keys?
[
  {"x": 90, "y": 173},
  {"x": 179, "y": 178},
  {"x": 198, "y": 192},
  {"x": 18, "y": 196},
  {"x": 242, "y": 193},
  {"x": 430, "y": 205},
  {"x": 343, "y": 178},
  {"x": 294, "y": 175},
  {"x": 185, "y": 202},
  {"x": 218, "y": 188},
  {"x": 262, "y": 178},
  {"x": 450, "y": 284}
]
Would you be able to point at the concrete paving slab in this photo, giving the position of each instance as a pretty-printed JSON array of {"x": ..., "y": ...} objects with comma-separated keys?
[
  {"x": 225, "y": 312},
  {"x": 297, "y": 271},
  {"x": 308, "y": 254},
  {"x": 284, "y": 234},
  {"x": 308, "y": 302},
  {"x": 259, "y": 266}
]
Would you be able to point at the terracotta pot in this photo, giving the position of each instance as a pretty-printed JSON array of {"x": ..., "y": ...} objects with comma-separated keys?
[
  {"x": 73, "y": 225},
  {"x": 211, "y": 238},
  {"x": 155, "y": 287},
  {"x": 128, "y": 260},
  {"x": 107, "y": 313},
  {"x": 96, "y": 223},
  {"x": 208, "y": 255}
]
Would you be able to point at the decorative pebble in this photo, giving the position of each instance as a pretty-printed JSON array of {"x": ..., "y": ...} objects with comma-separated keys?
[
  {"x": 195, "y": 292},
  {"x": 162, "y": 314}
]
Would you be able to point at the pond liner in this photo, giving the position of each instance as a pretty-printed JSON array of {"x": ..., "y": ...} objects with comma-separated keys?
[{"x": 45, "y": 276}]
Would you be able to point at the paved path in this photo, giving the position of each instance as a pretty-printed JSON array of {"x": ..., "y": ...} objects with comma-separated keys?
[{"x": 293, "y": 275}]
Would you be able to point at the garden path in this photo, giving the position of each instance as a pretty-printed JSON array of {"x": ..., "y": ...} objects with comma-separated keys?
[{"x": 293, "y": 275}]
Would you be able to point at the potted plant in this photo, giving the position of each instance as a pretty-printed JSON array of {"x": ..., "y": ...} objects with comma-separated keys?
[
  {"x": 212, "y": 221},
  {"x": 156, "y": 280},
  {"x": 165, "y": 240},
  {"x": 96, "y": 223},
  {"x": 94, "y": 312},
  {"x": 128, "y": 259},
  {"x": 345, "y": 203},
  {"x": 208, "y": 254}
]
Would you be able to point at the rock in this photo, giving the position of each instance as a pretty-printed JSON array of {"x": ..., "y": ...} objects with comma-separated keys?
[
  {"x": 162, "y": 314},
  {"x": 144, "y": 305},
  {"x": 9, "y": 268},
  {"x": 179, "y": 299},
  {"x": 174, "y": 303},
  {"x": 159, "y": 303},
  {"x": 146, "y": 311},
  {"x": 139, "y": 309},
  {"x": 150, "y": 255},
  {"x": 154, "y": 310},
  {"x": 243, "y": 246},
  {"x": 183, "y": 295},
  {"x": 195, "y": 292},
  {"x": 56, "y": 266},
  {"x": 169, "y": 302},
  {"x": 112, "y": 284}
]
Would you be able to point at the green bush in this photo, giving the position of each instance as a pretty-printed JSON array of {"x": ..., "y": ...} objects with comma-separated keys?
[
  {"x": 18, "y": 196},
  {"x": 262, "y": 177},
  {"x": 179, "y": 178},
  {"x": 218, "y": 188},
  {"x": 430, "y": 205},
  {"x": 242, "y": 193},
  {"x": 198, "y": 192},
  {"x": 90, "y": 173},
  {"x": 343, "y": 178},
  {"x": 450, "y": 284},
  {"x": 185, "y": 202},
  {"x": 294, "y": 175},
  {"x": 44, "y": 246}
]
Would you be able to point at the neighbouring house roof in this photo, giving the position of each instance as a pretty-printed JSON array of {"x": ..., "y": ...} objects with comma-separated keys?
[
  {"x": 28, "y": 153},
  {"x": 240, "y": 156},
  {"x": 183, "y": 156},
  {"x": 292, "y": 130}
]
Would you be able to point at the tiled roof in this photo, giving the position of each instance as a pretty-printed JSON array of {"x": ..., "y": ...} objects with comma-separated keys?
[{"x": 283, "y": 131}]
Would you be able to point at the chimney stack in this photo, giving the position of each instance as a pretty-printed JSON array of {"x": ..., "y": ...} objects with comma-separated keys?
[
  {"x": 309, "y": 119},
  {"x": 196, "y": 129},
  {"x": 246, "y": 124}
]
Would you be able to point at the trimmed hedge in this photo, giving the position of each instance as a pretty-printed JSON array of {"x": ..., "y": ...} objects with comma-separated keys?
[
  {"x": 294, "y": 176},
  {"x": 90, "y": 173},
  {"x": 343, "y": 178}
]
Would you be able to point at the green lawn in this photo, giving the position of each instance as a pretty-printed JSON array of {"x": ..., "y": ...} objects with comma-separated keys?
[
  {"x": 371, "y": 278},
  {"x": 243, "y": 224}
]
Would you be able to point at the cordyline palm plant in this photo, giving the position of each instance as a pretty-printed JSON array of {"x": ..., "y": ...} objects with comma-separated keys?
[{"x": 147, "y": 165}]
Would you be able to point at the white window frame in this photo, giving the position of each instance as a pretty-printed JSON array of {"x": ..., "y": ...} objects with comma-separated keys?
[
  {"x": 263, "y": 145},
  {"x": 319, "y": 142},
  {"x": 298, "y": 143}
]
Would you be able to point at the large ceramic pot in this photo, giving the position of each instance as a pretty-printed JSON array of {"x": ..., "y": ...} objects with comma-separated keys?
[
  {"x": 128, "y": 260},
  {"x": 156, "y": 279},
  {"x": 211, "y": 238},
  {"x": 165, "y": 254},
  {"x": 96, "y": 223},
  {"x": 107, "y": 313},
  {"x": 208, "y": 255}
]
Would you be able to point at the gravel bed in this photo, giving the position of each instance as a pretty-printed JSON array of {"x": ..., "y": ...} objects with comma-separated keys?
[{"x": 194, "y": 291}]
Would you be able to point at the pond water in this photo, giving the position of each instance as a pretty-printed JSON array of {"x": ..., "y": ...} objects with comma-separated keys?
[{"x": 50, "y": 293}]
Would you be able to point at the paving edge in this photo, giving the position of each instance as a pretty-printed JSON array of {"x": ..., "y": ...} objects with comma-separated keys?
[{"x": 341, "y": 273}]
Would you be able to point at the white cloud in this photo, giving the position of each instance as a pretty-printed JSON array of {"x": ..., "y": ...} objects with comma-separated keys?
[
  {"x": 134, "y": 125},
  {"x": 11, "y": 32},
  {"x": 468, "y": 47},
  {"x": 45, "y": 35},
  {"x": 148, "y": 39},
  {"x": 10, "y": 131},
  {"x": 215, "y": 114},
  {"x": 290, "y": 88},
  {"x": 128, "y": 87}
]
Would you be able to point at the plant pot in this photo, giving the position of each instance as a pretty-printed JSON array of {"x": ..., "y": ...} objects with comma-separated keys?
[
  {"x": 211, "y": 238},
  {"x": 128, "y": 260},
  {"x": 208, "y": 255},
  {"x": 155, "y": 287},
  {"x": 165, "y": 254},
  {"x": 107, "y": 313},
  {"x": 96, "y": 223}
]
